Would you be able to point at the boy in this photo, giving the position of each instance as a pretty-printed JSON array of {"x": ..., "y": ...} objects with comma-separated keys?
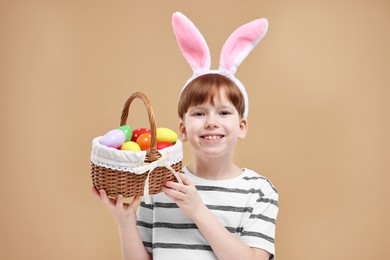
[{"x": 221, "y": 211}]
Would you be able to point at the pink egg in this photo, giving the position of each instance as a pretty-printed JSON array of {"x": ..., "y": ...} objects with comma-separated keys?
[{"x": 114, "y": 138}]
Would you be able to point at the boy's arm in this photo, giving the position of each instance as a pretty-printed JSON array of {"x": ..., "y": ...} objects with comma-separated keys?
[
  {"x": 223, "y": 243},
  {"x": 131, "y": 244},
  {"x": 126, "y": 218}
]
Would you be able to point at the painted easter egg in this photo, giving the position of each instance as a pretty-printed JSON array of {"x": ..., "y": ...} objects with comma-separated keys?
[{"x": 114, "y": 138}]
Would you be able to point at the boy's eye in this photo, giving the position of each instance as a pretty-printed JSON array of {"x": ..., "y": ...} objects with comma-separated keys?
[
  {"x": 224, "y": 113},
  {"x": 198, "y": 113}
]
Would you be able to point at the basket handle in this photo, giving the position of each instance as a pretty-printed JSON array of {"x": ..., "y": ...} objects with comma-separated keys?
[{"x": 152, "y": 151}]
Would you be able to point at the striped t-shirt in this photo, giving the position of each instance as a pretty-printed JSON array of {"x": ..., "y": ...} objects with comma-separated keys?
[{"x": 246, "y": 205}]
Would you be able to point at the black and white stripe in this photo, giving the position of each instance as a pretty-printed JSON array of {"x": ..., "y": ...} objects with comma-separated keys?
[{"x": 246, "y": 206}]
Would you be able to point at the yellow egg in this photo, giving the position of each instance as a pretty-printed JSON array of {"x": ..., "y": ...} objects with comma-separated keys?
[
  {"x": 166, "y": 135},
  {"x": 131, "y": 146}
]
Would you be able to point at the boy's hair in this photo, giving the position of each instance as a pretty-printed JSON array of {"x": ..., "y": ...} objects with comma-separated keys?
[{"x": 205, "y": 87}]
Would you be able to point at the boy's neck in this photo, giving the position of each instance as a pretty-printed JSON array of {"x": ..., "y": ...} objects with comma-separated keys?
[{"x": 214, "y": 169}]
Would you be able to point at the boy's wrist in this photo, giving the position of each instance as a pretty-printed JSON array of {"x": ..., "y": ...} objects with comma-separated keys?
[
  {"x": 201, "y": 214},
  {"x": 126, "y": 224},
  {"x": 126, "y": 229}
]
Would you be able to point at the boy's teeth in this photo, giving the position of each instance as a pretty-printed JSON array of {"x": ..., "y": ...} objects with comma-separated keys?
[{"x": 212, "y": 137}]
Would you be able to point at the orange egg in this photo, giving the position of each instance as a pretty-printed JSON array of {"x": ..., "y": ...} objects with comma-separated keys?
[
  {"x": 144, "y": 141},
  {"x": 139, "y": 131}
]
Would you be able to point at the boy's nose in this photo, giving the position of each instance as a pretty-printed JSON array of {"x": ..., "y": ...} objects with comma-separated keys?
[{"x": 211, "y": 122}]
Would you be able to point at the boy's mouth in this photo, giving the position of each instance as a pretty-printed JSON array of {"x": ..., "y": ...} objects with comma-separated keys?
[{"x": 212, "y": 137}]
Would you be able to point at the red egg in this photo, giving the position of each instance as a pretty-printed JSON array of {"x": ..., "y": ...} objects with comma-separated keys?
[
  {"x": 162, "y": 145},
  {"x": 138, "y": 132}
]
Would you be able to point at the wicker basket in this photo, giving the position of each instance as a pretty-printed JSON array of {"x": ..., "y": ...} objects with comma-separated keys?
[{"x": 135, "y": 173}]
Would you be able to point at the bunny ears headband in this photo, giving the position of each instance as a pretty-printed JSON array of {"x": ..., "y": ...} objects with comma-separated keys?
[{"x": 236, "y": 48}]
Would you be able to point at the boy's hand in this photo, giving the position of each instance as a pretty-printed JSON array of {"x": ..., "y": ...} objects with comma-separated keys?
[
  {"x": 185, "y": 196},
  {"x": 124, "y": 213}
]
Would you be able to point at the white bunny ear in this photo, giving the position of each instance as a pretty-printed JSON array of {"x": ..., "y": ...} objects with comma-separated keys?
[
  {"x": 191, "y": 42},
  {"x": 240, "y": 43}
]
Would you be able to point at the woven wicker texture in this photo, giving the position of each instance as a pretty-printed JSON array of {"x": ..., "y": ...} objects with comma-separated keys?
[{"x": 129, "y": 184}]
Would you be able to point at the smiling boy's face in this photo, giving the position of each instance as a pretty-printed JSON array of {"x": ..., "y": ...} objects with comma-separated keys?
[{"x": 214, "y": 127}]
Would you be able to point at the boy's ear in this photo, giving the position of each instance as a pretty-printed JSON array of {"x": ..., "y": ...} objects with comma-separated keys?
[
  {"x": 182, "y": 132},
  {"x": 243, "y": 128}
]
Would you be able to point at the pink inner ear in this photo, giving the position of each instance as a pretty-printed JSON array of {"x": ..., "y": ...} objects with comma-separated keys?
[
  {"x": 241, "y": 42},
  {"x": 191, "y": 42}
]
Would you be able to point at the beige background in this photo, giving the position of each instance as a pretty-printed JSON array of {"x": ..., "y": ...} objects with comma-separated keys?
[{"x": 319, "y": 116}]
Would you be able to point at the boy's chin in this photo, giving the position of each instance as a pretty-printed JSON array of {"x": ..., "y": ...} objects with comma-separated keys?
[{"x": 212, "y": 153}]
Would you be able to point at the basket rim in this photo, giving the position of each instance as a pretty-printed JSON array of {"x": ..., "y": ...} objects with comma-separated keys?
[{"x": 129, "y": 161}]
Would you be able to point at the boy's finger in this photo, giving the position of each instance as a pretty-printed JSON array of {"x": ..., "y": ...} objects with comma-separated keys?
[
  {"x": 174, "y": 194},
  {"x": 174, "y": 185},
  {"x": 185, "y": 179},
  {"x": 104, "y": 198},
  {"x": 135, "y": 202},
  {"x": 119, "y": 201}
]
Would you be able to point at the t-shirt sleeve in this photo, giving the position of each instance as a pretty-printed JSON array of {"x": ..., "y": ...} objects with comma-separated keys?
[
  {"x": 145, "y": 224},
  {"x": 259, "y": 230}
]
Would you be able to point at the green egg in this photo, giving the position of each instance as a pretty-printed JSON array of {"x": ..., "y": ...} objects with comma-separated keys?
[{"x": 127, "y": 130}]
